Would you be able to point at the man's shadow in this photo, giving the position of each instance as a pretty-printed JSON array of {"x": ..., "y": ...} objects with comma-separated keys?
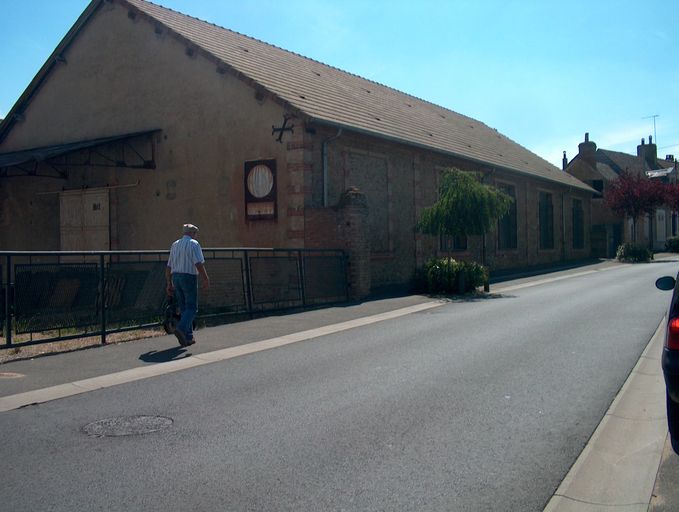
[{"x": 164, "y": 356}]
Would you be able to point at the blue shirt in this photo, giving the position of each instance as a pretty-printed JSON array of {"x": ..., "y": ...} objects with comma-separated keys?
[{"x": 184, "y": 254}]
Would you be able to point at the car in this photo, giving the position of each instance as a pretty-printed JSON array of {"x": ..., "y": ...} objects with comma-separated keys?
[{"x": 670, "y": 358}]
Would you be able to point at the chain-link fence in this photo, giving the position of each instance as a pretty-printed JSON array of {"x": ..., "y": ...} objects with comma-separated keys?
[{"x": 52, "y": 296}]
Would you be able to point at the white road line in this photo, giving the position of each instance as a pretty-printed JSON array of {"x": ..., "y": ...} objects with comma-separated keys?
[
  {"x": 543, "y": 281},
  {"x": 510, "y": 288},
  {"x": 39, "y": 396}
]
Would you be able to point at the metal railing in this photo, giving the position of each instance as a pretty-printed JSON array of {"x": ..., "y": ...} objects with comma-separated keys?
[{"x": 52, "y": 296}]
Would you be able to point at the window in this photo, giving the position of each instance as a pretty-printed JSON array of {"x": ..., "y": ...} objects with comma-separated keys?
[
  {"x": 370, "y": 174},
  {"x": 578, "y": 225},
  {"x": 546, "y": 220},
  {"x": 598, "y": 185},
  {"x": 260, "y": 189},
  {"x": 450, "y": 243},
  {"x": 506, "y": 226}
]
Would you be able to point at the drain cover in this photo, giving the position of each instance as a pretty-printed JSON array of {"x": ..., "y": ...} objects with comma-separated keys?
[{"x": 127, "y": 426}]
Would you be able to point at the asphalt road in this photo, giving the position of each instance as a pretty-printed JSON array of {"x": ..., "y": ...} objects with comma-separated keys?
[{"x": 474, "y": 405}]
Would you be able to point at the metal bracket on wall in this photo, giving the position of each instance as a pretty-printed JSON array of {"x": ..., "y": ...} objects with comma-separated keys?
[{"x": 282, "y": 129}]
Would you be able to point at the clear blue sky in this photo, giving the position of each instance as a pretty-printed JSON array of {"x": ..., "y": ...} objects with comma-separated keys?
[{"x": 541, "y": 72}]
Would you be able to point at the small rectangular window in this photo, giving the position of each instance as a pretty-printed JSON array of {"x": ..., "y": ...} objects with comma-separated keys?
[{"x": 598, "y": 185}]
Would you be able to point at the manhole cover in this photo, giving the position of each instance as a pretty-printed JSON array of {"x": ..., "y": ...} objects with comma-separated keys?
[
  {"x": 11, "y": 375},
  {"x": 127, "y": 426}
]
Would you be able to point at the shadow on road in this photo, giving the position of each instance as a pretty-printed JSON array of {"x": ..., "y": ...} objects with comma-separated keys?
[{"x": 164, "y": 356}]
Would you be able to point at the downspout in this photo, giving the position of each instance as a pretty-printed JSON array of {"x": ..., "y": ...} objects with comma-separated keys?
[{"x": 324, "y": 156}]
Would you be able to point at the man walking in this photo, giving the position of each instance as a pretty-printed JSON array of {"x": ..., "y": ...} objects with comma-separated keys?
[{"x": 186, "y": 262}]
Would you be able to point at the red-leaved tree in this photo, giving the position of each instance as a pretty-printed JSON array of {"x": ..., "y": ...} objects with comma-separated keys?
[
  {"x": 672, "y": 196},
  {"x": 633, "y": 195}
]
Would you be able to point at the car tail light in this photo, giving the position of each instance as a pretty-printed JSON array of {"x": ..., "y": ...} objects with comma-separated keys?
[{"x": 672, "y": 339}]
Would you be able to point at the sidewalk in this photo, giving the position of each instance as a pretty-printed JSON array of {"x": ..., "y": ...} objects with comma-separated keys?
[
  {"x": 617, "y": 470},
  {"x": 627, "y": 465}
]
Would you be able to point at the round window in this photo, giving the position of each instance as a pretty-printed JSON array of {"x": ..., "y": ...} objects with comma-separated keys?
[{"x": 260, "y": 181}]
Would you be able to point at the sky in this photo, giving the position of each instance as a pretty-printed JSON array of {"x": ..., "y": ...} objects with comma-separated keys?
[{"x": 542, "y": 72}]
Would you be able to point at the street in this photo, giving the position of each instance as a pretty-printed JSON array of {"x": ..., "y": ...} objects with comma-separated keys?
[{"x": 477, "y": 404}]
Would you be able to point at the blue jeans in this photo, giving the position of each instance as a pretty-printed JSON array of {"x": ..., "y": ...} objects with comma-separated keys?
[{"x": 186, "y": 295}]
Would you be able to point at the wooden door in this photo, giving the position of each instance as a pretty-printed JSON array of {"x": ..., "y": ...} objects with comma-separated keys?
[{"x": 84, "y": 220}]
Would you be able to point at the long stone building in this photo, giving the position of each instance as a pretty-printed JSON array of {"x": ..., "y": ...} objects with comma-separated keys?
[{"x": 144, "y": 118}]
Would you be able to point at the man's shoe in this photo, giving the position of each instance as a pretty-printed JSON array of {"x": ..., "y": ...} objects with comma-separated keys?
[
  {"x": 190, "y": 342},
  {"x": 181, "y": 337}
]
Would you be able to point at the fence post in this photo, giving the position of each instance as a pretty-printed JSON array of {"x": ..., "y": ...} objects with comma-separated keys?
[
  {"x": 248, "y": 282},
  {"x": 302, "y": 281},
  {"x": 102, "y": 297},
  {"x": 8, "y": 298}
]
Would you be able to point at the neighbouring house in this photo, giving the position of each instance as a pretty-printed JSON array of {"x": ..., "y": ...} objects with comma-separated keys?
[
  {"x": 598, "y": 168},
  {"x": 144, "y": 118}
]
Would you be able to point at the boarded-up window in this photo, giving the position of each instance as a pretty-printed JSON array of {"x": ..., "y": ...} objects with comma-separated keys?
[
  {"x": 450, "y": 243},
  {"x": 578, "y": 225},
  {"x": 546, "y": 220},
  {"x": 369, "y": 175}
]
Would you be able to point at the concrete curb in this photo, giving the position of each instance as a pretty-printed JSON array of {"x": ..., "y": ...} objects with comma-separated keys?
[{"x": 618, "y": 467}]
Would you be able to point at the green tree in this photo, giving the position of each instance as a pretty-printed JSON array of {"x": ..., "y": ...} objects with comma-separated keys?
[{"x": 465, "y": 207}]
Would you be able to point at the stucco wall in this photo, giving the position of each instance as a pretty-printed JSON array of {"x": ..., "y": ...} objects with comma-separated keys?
[{"x": 121, "y": 76}]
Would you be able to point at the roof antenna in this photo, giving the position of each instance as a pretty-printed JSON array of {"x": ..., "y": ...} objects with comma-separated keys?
[{"x": 655, "y": 136}]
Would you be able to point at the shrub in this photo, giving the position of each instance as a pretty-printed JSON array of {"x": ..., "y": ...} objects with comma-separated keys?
[
  {"x": 475, "y": 275},
  {"x": 441, "y": 274},
  {"x": 672, "y": 244},
  {"x": 632, "y": 253},
  {"x": 447, "y": 275}
]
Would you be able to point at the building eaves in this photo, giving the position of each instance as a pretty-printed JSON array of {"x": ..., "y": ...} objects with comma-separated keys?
[
  {"x": 326, "y": 94},
  {"x": 331, "y": 96}
]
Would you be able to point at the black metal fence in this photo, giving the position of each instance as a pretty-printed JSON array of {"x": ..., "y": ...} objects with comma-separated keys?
[{"x": 52, "y": 296}]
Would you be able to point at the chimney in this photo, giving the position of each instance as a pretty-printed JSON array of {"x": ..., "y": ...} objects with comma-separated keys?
[
  {"x": 564, "y": 162},
  {"x": 648, "y": 152},
  {"x": 587, "y": 151}
]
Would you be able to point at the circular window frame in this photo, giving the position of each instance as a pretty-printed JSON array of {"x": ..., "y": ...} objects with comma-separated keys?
[{"x": 260, "y": 181}]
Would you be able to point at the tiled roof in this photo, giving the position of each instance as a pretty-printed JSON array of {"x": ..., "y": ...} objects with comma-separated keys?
[
  {"x": 606, "y": 171},
  {"x": 623, "y": 161},
  {"x": 631, "y": 163},
  {"x": 328, "y": 95}
]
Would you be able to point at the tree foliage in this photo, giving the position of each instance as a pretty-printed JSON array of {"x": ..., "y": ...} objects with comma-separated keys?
[
  {"x": 672, "y": 196},
  {"x": 465, "y": 206},
  {"x": 633, "y": 195}
]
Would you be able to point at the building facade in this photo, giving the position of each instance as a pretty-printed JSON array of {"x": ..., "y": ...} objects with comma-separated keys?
[
  {"x": 144, "y": 118},
  {"x": 599, "y": 168}
]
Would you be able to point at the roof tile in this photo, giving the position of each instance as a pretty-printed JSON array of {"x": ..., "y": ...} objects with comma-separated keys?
[{"x": 329, "y": 95}]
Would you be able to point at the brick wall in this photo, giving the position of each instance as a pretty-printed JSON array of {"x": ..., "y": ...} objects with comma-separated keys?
[{"x": 344, "y": 226}]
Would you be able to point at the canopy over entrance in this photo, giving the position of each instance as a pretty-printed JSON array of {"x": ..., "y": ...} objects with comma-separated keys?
[{"x": 131, "y": 150}]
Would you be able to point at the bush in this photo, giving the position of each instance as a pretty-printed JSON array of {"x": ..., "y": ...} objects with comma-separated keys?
[
  {"x": 475, "y": 275},
  {"x": 447, "y": 275},
  {"x": 672, "y": 244},
  {"x": 632, "y": 253}
]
